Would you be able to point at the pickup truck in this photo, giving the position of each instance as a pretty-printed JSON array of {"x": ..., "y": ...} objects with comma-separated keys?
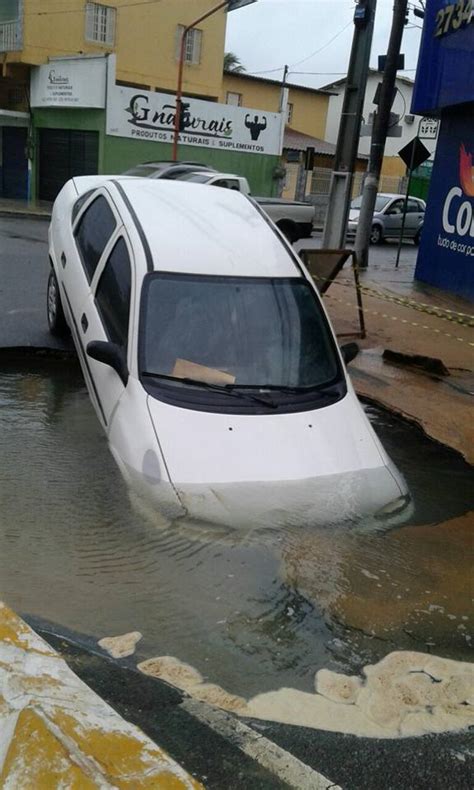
[{"x": 295, "y": 220}]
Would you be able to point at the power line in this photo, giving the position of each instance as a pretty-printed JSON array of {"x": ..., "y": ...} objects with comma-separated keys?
[{"x": 298, "y": 62}]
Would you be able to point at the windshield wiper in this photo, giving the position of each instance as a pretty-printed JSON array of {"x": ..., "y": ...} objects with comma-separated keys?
[
  {"x": 325, "y": 388},
  {"x": 226, "y": 389}
]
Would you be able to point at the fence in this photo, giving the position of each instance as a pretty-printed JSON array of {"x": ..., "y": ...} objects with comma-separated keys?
[{"x": 319, "y": 191}]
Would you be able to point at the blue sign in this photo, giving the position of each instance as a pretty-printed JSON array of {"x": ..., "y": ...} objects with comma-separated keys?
[
  {"x": 445, "y": 71},
  {"x": 446, "y": 256}
]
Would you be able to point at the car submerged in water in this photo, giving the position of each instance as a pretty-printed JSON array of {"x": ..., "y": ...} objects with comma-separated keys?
[{"x": 209, "y": 358}]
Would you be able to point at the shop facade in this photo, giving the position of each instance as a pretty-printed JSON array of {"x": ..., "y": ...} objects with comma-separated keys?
[
  {"x": 444, "y": 88},
  {"x": 85, "y": 123}
]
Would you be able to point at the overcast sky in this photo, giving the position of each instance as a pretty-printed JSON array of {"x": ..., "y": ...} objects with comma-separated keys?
[{"x": 270, "y": 33}]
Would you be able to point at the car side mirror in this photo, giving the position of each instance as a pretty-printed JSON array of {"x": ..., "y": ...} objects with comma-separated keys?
[
  {"x": 109, "y": 354},
  {"x": 349, "y": 352}
]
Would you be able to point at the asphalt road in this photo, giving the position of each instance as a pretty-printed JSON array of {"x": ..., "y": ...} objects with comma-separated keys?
[{"x": 425, "y": 763}]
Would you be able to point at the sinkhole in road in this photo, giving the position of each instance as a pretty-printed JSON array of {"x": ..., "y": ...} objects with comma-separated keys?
[{"x": 251, "y": 610}]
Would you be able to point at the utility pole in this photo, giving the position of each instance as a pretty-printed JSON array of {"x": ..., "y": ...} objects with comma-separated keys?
[
  {"x": 349, "y": 128},
  {"x": 283, "y": 110},
  {"x": 379, "y": 134}
]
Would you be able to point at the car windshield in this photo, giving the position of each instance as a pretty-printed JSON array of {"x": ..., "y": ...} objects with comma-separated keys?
[
  {"x": 183, "y": 173},
  {"x": 200, "y": 178},
  {"x": 236, "y": 331},
  {"x": 380, "y": 202},
  {"x": 142, "y": 170}
]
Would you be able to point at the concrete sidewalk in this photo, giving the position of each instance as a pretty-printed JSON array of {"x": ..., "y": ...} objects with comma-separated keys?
[
  {"x": 56, "y": 732},
  {"x": 40, "y": 209},
  {"x": 409, "y": 318}
]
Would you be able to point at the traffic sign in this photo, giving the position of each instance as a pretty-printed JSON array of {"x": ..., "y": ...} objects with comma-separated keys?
[
  {"x": 414, "y": 154},
  {"x": 383, "y": 61},
  {"x": 428, "y": 129}
]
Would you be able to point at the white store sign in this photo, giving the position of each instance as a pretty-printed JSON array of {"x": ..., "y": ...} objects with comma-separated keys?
[
  {"x": 145, "y": 115},
  {"x": 69, "y": 83},
  {"x": 428, "y": 129}
]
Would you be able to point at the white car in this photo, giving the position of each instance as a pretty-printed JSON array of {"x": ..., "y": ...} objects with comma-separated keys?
[{"x": 209, "y": 358}]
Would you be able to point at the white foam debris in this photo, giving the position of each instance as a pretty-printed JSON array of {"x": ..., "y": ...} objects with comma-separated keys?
[
  {"x": 188, "y": 679},
  {"x": 405, "y": 694},
  {"x": 368, "y": 574},
  {"x": 120, "y": 646}
]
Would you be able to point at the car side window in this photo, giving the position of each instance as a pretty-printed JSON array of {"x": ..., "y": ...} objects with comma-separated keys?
[
  {"x": 92, "y": 233},
  {"x": 413, "y": 207},
  {"x": 112, "y": 296},
  {"x": 227, "y": 183},
  {"x": 396, "y": 207},
  {"x": 421, "y": 207},
  {"x": 79, "y": 204}
]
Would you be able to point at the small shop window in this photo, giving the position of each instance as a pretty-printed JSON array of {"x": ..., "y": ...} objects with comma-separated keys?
[{"x": 100, "y": 23}]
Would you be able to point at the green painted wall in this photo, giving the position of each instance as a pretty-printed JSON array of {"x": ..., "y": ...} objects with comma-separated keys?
[
  {"x": 117, "y": 154},
  {"x": 122, "y": 153}
]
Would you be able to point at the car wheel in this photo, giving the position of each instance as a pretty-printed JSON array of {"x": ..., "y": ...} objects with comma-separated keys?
[
  {"x": 56, "y": 320},
  {"x": 376, "y": 235},
  {"x": 417, "y": 238},
  {"x": 289, "y": 231}
]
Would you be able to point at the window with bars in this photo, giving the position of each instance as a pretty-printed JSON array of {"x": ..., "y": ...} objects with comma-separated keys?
[
  {"x": 234, "y": 98},
  {"x": 192, "y": 49},
  {"x": 289, "y": 114},
  {"x": 100, "y": 23}
]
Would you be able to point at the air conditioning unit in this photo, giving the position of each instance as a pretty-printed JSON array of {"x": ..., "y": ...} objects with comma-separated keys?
[{"x": 409, "y": 119}]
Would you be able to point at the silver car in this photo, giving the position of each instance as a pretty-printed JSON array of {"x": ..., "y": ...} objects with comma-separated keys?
[{"x": 388, "y": 218}]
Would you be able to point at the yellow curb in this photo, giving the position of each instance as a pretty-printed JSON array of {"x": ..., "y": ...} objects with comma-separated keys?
[{"x": 56, "y": 732}]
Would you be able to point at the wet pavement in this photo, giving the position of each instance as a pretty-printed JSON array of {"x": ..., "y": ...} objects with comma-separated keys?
[{"x": 251, "y": 610}]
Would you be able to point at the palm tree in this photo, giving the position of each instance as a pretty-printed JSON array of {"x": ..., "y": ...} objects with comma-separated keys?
[{"x": 232, "y": 63}]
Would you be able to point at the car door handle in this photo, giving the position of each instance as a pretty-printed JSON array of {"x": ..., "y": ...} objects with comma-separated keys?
[
  {"x": 84, "y": 322},
  {"x": 63, "y": 259}
]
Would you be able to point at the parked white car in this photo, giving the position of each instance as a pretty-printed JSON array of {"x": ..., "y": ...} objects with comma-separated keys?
[{"x": 209, "y": 358}]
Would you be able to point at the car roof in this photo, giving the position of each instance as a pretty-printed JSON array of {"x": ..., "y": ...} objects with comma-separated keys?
[{"x": 193, "y": 229}]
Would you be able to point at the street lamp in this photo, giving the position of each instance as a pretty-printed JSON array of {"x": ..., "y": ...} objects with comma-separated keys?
[{"x": 230, "y": 5}]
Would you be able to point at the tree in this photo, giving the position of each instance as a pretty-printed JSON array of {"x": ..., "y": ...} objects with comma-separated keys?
[{"x": 232, "y": 63}]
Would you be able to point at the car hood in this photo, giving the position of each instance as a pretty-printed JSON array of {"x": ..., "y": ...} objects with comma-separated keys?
[
  {"x": 206, "y": 447},
  {"x": 325, "y": 464}
]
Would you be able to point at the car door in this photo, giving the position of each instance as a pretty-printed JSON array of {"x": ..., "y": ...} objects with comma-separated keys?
[
  {"x": 107, "y": 318},
  {"x": 393, "y": 215},
  {"x": 94, "y": 220},
  {"x": 413, "y": 219}
]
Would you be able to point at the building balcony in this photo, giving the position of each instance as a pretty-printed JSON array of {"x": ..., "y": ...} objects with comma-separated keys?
[{"x": 11, "y": 36}]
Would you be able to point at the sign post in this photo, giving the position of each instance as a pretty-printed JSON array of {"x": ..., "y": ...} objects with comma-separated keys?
[{"x": 413, "y": 154}]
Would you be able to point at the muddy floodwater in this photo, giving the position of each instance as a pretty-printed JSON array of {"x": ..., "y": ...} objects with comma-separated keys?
[{"x": 251, "y": 610}]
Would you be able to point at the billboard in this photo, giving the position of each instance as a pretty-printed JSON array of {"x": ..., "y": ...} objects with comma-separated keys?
[
  {"x": 73, "y": 82},
  {"x": 147, "y": 115},
  {"x": 446, "y": 61},
  {"x": 446, "y": 255}
]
